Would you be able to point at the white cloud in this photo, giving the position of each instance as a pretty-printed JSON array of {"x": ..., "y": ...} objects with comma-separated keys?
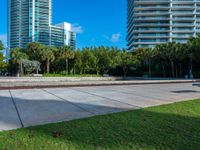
[
  {"x": 114, "y": 38},
  {"x": 77, "y": 28},
  {"x": 3, "y": 38}
]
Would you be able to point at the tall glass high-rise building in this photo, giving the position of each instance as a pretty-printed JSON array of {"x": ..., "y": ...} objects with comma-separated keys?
[
  {"x": 152, "y": 22},
  {"x": 31, "y": 21}
]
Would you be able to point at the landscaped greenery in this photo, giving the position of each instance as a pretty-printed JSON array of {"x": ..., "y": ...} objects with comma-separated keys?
[
  {"x": 56, "y": 60},
  {"x": 1, "y": 45},
  {"x": 165, "y": 60},
  {"x": 175, "y": 126},
  {"x": 3, "y": 65}
]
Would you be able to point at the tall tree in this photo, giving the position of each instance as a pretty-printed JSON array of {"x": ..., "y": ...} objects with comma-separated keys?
[
  {"x": 1, "y": 45},
  {"x": 2, "y": 63},
  {"x": 181, "y": 55},
  {"x": 193, "y": 51},
  {"x": 114, "y": 55},
  {"x": 78, "y": 62},
  {"x": 146, "y": 55},
  {"x": 66, "y": 53},
  {"x": 17, "y": 56},
  {"x": 126, "y": 60},
  {"x": 88, "y": 60},
  {"x": 33, "y": 50},
  {"x": 169, "y": 52},
  {"x": 162, "y": 58},
  {"x": 103, "y": 60},
  {"x": 47, "y": 55}
]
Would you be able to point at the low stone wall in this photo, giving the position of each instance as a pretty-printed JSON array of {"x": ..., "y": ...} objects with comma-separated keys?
[
  {"x": 56, "y": 79},
  {"x": 43, "y": 82}
]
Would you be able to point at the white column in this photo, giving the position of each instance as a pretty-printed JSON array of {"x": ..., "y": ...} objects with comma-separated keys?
[
  {"x": 33, "y": 20},
  {"x": 195, "y": 18},
  {"x": 171, "y": 22}
]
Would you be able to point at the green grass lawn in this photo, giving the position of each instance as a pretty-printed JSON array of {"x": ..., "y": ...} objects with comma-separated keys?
[{"x": 175, "y": 126}]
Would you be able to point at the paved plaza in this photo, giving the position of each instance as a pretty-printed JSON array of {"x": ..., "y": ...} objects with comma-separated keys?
[{"x": 23, "y": 108}]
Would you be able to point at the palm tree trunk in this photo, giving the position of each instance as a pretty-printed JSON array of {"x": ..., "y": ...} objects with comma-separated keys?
[
  {"x": 83, "y": 70},
  {"x": 172, "y": 65},
  {"x": 149, "y": 68},
  {"x": 48, "y": 66},
  {"x": 191, "y": 66},
  {"x": 18, "y": 69},
  {"x": 74, "y": 69},
  {"x": 164, "y": 72},
  {"x": 66, "y": 65},
  {"x": 176, "y": 71},
  {"x": 181, "y": 72},
  {"x": 21, "y": 69},
  {"x": 125, "y": 72}
]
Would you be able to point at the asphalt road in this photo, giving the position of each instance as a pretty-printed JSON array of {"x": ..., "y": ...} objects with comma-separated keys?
[{"x": 29, "y": 107}]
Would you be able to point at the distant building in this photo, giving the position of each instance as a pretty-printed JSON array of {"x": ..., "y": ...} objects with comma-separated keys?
[
  {"x": 61, "y": 34},
  {"x": 152, "y": 22},
  {"x": 31, "y": 21}
]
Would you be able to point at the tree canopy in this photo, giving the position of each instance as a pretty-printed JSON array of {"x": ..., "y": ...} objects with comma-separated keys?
[
  {"x": 165, "y": 60},
  {"x": 1, "y": 45}
]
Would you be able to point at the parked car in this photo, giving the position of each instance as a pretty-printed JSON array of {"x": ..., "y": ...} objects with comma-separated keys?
[{"x": 196, "y": 84}]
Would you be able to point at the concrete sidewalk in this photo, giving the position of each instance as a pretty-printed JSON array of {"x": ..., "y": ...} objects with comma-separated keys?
[{"x": 23, "y": 108}]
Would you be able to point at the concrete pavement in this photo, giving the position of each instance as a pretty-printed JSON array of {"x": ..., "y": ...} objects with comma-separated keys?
[{"x": 29, "y": 107}]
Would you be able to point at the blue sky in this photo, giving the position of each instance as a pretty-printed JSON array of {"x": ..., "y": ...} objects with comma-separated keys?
[{"x": 97, "y": 22}]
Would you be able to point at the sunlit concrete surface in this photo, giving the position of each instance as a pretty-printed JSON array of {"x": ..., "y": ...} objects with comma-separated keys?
[{"x": 23, "y": 108}]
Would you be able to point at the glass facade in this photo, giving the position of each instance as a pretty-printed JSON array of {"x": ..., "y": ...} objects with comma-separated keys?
[
  {"x": 61, "y": 34},
  {"x": 152, "y": 22},
  {"x": 31, "y": 21}
]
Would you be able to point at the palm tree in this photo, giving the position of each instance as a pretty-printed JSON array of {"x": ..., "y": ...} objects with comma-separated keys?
[
  {"x": 168, "y": 51},
  {"x": 47, "y": 55},
  {"x": 66, "y": 53},
  {"x": 193, "y": 49},
  {"x": 33, "y": 50},
  {"x": 114, "y": 55},
  {"x": 2, "y": 63},
  {"x": 126, "y": 60},
  {"x": 77, "y": 62},
  {"x": 17, "y": 56},
  {"x": 146, "y": 55},
  {"x": 181, "y": 55},
  {"x": 103, "y": 59},
  {"x": 1, "y": 45},
  {"x": 150, "y": 53},
  {"x": 161, "y": 54}
]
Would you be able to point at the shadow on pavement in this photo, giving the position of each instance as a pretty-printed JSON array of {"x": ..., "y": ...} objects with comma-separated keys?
[
  {"x": 17, "y": 112},
  {"x": 186, "y": 91}
]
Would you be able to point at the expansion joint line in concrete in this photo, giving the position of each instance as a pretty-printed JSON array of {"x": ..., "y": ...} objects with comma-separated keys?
[
  {"x": 68, "y": 102},
  {"x": 135, "y": 106},
  {"x": 14, "y": 103},
  {"x": 157, "y": 100}
]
